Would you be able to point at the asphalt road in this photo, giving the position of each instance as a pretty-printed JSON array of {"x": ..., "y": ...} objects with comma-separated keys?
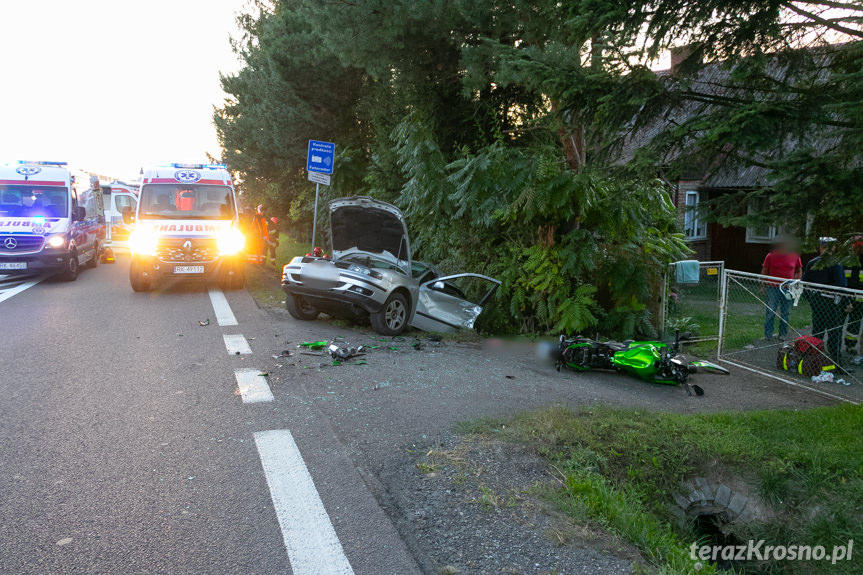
[{"x": 125, "y": 446}]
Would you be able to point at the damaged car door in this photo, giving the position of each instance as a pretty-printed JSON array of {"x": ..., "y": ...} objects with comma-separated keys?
[{"x": 453, "y": 302}]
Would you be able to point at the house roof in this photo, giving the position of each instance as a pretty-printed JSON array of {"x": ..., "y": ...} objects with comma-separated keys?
[{"x": 712, "y": 79}]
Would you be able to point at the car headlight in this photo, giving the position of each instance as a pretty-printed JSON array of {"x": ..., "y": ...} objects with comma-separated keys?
[
  {"x": 143, "y": 242},
  {"x": 56, "y": 241},
  {"x": 230, "y": 242}
]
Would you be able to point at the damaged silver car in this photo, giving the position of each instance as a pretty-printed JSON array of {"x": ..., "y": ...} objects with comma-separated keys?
[{"x": 371, "y": 275}]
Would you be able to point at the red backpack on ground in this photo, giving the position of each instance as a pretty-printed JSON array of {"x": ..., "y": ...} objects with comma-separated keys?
[{"x": 806, "y": 356}]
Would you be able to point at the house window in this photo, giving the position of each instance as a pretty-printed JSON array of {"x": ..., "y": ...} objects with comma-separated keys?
[
  {"x": 762, "y": 234},
  {"x": 693, "y": 227}
]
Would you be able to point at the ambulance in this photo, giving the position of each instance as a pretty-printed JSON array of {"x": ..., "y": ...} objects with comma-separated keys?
[
  {"x": 46, "y": 225},
  {"x": 186, "y": 227},
  {"x": 119, "y": 197}
]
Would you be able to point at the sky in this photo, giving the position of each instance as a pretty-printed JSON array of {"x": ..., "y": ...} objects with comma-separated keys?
[{"x": 110, "y": 86}]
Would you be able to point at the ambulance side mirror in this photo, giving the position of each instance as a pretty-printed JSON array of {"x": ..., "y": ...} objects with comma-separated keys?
[
  {"x": 128, "y": 215},
  {"x": 78, "y": 214}
]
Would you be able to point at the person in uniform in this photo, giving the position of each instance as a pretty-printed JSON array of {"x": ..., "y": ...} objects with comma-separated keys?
[
  {"x": 273, "y": 233},
  {"x": 854, "y": 279},
  {"x": 827, "y": 306}
]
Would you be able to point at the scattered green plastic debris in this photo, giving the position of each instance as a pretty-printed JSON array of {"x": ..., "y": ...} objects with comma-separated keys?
[{"x": 314, "y": 344}]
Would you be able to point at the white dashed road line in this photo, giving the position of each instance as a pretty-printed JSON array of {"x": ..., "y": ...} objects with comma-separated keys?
[
  {"x": 253, "y": 386},
  {"x": 237, "y": 344},
  {"x": 11, "y": 287},
  {"x": 224, "y": 315},
  {"x": 312, "y": 544}
]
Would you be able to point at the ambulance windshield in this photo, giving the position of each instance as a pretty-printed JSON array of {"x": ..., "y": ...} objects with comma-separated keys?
[
  {"x": 186, "y": 201},
  {"x": 24, "y": 201}
]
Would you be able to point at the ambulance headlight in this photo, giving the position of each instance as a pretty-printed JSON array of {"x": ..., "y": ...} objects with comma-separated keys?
[
  {"x": 56, "y": 241},
  {"x": 143, "y": 242},
  {"x": 230, "y": 242}
]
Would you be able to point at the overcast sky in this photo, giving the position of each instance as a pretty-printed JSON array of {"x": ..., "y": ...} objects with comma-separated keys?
[{"x": 109, "y": 85}]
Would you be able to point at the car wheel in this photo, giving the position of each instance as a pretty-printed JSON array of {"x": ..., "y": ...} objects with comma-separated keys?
[
  {"x": 136, "y": 278},
  {"x": 392, "y": 319},
  {"x": 73, "y": 268},
  {"x": 94, "y": 261},
  {"x": 300, "y": 309}
]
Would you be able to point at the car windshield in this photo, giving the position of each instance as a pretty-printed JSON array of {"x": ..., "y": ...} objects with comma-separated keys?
[
  {"x": 22, "y": 201},
  {"x": 186, "y": 201}
]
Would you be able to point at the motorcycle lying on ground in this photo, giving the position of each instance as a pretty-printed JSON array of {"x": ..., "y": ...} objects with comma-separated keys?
[{"x": 651, "y": 361}]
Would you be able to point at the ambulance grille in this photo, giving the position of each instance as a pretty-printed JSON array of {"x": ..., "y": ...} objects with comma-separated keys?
[
  {"x": 187, "y": 250},
  {"x": 11, "y": 244}
]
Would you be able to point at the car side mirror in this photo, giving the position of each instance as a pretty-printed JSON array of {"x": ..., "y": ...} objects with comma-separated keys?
[
  {"x": 128, "y": 216},
  {"x": 437, "y": 286},
  {"x": 78, "y": 214}
]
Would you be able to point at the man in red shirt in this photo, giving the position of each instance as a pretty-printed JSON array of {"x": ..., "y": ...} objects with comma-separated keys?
[{"x": 782, "y": 262}]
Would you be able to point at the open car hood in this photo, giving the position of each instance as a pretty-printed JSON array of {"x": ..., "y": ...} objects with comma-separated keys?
[{"x": 366, "y": 225}]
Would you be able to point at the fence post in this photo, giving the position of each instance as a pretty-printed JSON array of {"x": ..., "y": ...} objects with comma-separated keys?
[{"x": 723, "y": 306}]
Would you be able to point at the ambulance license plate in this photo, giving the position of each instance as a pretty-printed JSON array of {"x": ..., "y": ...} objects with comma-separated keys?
[
  {"x": 188, "y": 269},
  {"x": 13, "y": 265}
]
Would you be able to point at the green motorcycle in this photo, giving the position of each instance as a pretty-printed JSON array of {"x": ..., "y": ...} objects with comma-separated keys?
[{"x": 652, "y": 361}]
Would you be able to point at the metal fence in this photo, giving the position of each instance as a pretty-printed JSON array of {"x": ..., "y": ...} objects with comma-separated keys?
[
  {"x": 761, "y": 319},
  {"x": 693, "y": 306}
]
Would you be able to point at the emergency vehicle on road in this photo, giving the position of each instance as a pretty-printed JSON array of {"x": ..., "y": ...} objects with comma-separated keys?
[
  {"x": 119, "y": 197},
  {"x": 186, "y": 227},
  {"x": 46, "y": 225}
]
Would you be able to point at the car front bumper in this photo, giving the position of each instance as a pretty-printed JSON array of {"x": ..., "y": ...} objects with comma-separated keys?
[
  {"x": 350, "y": 290},
  {"x": 157, "y": 270},
  {"x": 44, "y": 261}
]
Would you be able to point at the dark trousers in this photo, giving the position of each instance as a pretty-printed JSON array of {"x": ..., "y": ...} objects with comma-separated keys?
[
  {"x": 827, "y": 320},
  {"x": 852, "y": 333}
]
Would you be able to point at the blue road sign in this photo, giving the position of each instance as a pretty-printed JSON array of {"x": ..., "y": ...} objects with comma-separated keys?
[{"x": 320, "y": 158}]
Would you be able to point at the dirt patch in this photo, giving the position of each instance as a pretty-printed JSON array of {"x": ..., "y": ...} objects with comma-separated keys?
[{"x": 473, "y": 506}]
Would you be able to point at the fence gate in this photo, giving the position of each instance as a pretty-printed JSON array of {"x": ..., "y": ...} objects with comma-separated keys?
[
  {"x": 760, "y": 316},
  {"x": 694, "y": 306}
]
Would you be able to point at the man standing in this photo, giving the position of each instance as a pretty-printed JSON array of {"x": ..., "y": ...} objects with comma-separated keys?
[
  {"x": 854, "y": 279},
  {"x": 273, "y": 233},
  {"x": 827, "y": 316},
  {"x": 260, "y": 238},
  {"x": 782, "y": 262}
]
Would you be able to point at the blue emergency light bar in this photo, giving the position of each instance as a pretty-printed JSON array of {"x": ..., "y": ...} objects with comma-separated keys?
[
  {"x": 43, "y": 163},
  {"x": 200, "y": 166}
]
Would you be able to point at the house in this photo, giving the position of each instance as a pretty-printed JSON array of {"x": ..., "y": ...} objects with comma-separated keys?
[{"x": 741, "y": 248}]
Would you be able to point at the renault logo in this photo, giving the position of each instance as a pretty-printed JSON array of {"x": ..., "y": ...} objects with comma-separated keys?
[
  {"x": 10, "y": 243},
  {"x": 187, "y": 245}
]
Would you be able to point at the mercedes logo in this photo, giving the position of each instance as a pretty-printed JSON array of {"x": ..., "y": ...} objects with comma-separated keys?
[
  {"x": 10, "y": 243},
  {"x": 187, "y": 245}
]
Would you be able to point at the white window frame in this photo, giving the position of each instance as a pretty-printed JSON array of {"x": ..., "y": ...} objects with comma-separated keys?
[
  {"x": 752, "y": 236},
  {"x": 691, "y": 221}
]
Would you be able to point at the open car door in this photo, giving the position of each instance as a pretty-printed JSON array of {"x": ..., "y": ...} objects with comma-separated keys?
[{"x": 453, "y": 302}]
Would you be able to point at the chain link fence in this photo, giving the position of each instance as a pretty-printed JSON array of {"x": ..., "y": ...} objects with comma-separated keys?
[
  {"x": 802, "y": 333},
  {"x": 693, "y": 306}
]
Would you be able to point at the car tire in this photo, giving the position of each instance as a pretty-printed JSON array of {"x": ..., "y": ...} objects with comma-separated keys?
[
  {"x": 300, "y": 309},
  {"x": 72, "y": 269},
  {"x": 94, "y": 261},
  {"x": 392, "y": 319},
  {"x": 136, "y": 278}
]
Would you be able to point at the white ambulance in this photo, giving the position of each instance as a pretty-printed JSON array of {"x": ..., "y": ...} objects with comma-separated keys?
[
  {"x": 186, "y": 227},
  {"x": 119, "y": 197},
  {"x": 46, "y": 225}
]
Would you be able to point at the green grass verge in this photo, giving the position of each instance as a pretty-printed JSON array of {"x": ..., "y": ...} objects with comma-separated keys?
[
  {"x": 263, "y": 282},
  {"x": 621, "y": 467}
]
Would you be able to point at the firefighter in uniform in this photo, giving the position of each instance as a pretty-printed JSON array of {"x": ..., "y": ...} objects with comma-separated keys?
[
  {"x": 827, "y": 308},
  {"x": 854, "y": 278},
  {"x": 273, "y": 233}
]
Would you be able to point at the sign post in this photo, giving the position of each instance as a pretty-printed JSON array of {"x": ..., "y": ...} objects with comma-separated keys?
[{"x": 319, "y": 165}]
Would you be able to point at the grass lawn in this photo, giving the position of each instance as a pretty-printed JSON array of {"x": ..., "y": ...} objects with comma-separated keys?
[
  {"x": 620, "y": 468},
  {"x": 263, "y": 281}
]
